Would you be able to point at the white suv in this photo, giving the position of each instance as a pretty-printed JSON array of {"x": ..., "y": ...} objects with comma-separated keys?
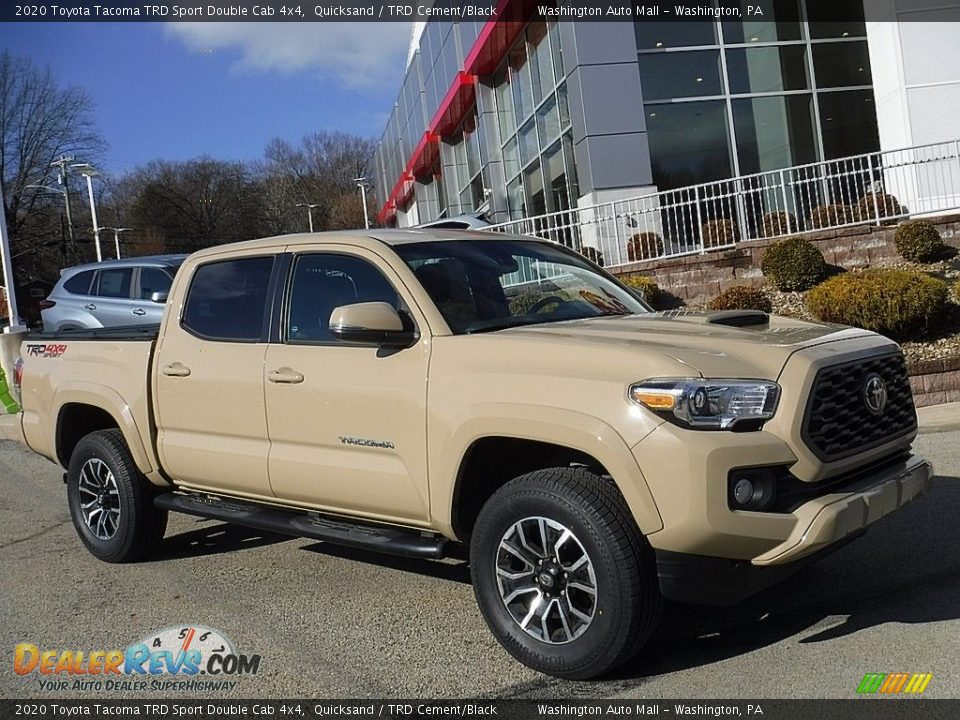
[{"x": 114, "y": 293}]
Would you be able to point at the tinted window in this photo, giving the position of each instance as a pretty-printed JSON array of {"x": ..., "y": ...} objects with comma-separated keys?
[
  {"x": 323, "y": 282},
  {"x": 79, "y": 284},
  {"x": 226, "y": 300},
  {"x": 680, "y": 74},
  {"x": 841, "y": 64},
  {"x": 114, "y": 283},
  {"x": 153, "y": 280},
  {"x": 482, "y": 286}
]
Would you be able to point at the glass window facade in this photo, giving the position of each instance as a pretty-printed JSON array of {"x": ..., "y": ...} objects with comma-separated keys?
[
  {"x": 533, "y": 118},
  {"x": 734, "y": 98}
]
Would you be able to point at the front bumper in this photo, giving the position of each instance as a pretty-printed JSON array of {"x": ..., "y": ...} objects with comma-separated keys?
[
  {"x": 831, "y": 518},
  {"x": 822, "y": 526}
]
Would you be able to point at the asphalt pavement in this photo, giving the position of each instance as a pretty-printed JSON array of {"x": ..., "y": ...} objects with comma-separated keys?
[{"x": 330, "y": 622}]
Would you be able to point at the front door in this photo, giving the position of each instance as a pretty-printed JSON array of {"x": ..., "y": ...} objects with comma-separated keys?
[
  {"x": 347, "y": 422},
  {"x": 209, "y": 379}
]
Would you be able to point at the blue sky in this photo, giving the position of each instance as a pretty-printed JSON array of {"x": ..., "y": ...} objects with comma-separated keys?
[{"x": 176, "y": 91}]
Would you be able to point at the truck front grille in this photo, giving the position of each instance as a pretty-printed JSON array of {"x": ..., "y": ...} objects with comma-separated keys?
[{"x": 839, "y": 423}]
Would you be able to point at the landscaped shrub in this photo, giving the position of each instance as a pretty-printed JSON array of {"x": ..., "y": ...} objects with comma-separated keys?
[
  {"x": 902, "y": 304},
  {"x": 741, "y": 297},
  {"x": 793, "y": 264},
  {"x": 887, "y": 206},
  {"x": 646, "y": 286},
  {"x": 592, "y": 254},
  {"x": 918, "y": 241},
  {"x": 826, "y": 216},
  {"x": 778, "y": 223},
  {"x": 643, "y": 246},
  {"x": 720, "y": 232}
]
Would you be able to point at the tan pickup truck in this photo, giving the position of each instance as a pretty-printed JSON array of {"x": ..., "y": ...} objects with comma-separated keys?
[{"x": 409, "y": 391}]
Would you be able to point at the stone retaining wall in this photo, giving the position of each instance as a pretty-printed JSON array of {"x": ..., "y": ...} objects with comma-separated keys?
[
  {"x": 696, "y": 279},
  {"x": 935, "y": 381}
]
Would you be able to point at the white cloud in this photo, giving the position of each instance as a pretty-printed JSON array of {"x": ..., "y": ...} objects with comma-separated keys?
[{"x": 359, "y": 55}]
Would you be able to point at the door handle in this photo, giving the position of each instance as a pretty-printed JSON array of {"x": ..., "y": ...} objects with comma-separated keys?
[
  {"x": 91, "y": 306},
  {"x": 176, "y": 370},
  {"x": 139, "y": 312},
  {"x": 285, "y": 375}
]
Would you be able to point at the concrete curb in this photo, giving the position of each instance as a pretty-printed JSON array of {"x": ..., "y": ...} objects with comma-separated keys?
[
  {"x": 9, "y": 428},
  {"x": 939, "y": 418}
]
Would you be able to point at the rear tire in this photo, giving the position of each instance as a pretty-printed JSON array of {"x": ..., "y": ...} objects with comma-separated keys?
[
  {"x": 111, "y": 503},
  {"x": 550, "y": 608}
]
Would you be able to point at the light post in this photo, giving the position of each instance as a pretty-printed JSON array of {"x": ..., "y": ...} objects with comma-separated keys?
[
  {"x": 88, "y": 172},
  {"x": 362, "y": 184},
  {"x": 63, "y": 180},
  {"x": 116, "y": 236},
  {"x": 309, "y": 207}
]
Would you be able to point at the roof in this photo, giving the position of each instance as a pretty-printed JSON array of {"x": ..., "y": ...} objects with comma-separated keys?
[
  {"x": 163, "y": 260},
  {"x": 361, "y": 237}
]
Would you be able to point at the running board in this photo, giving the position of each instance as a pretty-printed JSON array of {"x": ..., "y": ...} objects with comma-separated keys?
[{"x": 364, "y": 536}]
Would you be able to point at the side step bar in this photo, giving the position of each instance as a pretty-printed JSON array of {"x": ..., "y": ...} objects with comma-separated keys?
[{"x": 364, "y": 536}]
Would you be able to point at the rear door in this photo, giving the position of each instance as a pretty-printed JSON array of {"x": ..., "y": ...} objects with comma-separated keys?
[
  {"x": 113, "y": 292},
  {"x": 209, "y": 376},
  {"x": 347, "y": 422}
]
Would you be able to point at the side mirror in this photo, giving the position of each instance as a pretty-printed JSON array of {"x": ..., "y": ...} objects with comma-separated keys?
[
  {"x": 370, "y": 323},
  {"x": 159, "y": 297}
]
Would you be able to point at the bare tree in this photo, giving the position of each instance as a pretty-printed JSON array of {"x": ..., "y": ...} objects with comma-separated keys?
[
  {"x": 320, "y": 170},
  {"x": 39, "y": 121},
  {"x": 193, "y": 204}
]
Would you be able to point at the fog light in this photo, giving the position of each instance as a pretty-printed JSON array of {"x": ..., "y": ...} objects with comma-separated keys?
[
  {"x": 753, "y": 488},
  {"x": 743, "y": 491}
]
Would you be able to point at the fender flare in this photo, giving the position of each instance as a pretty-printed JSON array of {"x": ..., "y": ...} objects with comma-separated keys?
[
  {"x": 108, "y": 400},
  {"x": 566, "y": 428}
]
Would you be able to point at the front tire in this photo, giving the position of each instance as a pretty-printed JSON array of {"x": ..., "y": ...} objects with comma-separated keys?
[
  {"x": 111, "y": 503},
  {"x": 562, "y": 575}
]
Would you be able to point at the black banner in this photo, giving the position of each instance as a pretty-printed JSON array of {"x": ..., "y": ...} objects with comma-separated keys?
[
  {"x": 467, "y": 10},
  {"x": 855, "y": 709}
]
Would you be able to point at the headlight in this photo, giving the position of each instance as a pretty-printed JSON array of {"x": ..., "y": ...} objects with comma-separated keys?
[{"x": 708, "y": 404}]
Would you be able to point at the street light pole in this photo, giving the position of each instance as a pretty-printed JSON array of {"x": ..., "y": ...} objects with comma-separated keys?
[
  {"x": 362, "y": 184},
  {"x": 63, "y": 180},
  {"x": 88, "y": 172},
  {"x": 116, "y": 236},
  {"x": 309, "y": 207}
]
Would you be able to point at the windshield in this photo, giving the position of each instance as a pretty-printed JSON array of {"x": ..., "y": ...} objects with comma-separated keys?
[{"x": 486, "y": 285}]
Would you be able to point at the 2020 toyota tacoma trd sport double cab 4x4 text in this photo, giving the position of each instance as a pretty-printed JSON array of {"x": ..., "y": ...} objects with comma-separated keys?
[{"x": 402, "y": 391}]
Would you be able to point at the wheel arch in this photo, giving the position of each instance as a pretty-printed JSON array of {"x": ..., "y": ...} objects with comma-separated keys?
[
  {"x": 82, "y": 410},
  {"x": 515, "y": 440}
]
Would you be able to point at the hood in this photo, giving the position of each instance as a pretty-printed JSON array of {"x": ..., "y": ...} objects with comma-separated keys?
[{"x": 695, "y": 340}]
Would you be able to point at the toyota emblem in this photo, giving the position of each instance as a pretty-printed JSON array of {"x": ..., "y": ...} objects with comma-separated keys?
[{"x": 875, "y": 394}]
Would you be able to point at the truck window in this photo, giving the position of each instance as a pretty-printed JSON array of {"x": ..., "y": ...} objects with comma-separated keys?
[
  {"x": 114, "y": 283},
  {"x": 324, "y": 281},
  {"x": 80, "y": 283},
  {"x": 227, "y": 299}
]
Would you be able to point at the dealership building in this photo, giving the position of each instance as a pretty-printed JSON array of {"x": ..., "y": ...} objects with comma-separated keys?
[{"x": 531, "y": 116}]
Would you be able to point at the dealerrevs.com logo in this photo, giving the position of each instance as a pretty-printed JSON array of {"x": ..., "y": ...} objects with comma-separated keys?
[{"x": 188, "y": 658}]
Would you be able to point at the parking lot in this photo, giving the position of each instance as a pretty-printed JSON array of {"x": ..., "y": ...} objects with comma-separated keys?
[{"x": 330, "y": 622}]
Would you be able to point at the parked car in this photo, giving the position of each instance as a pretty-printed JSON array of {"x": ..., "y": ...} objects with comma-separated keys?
[
  {"x": 113, "y": 293},
  {"x": 405, "y": 391}
]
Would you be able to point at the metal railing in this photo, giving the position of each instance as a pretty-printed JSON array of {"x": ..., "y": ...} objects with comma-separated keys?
[{"x": 874, "y": 188}]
